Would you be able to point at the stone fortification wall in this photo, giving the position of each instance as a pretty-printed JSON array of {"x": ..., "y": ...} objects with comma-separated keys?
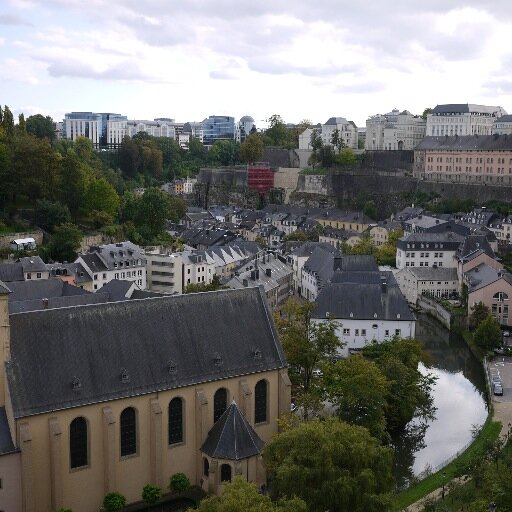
[
  {"x": 313, "y": 184},
  {"x": 436, "y": 310}
]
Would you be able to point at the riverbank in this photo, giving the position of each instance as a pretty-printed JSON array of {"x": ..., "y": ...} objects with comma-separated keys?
[{"x": 413, "y": 499}]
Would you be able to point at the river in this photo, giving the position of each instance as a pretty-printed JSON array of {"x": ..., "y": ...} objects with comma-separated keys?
[{"x": 458, "y": 397}]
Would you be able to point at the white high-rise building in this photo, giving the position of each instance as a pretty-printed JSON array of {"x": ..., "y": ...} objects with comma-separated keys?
[
  {"x": 394, "y": 131},
  {"x": 462, "y": 119}
]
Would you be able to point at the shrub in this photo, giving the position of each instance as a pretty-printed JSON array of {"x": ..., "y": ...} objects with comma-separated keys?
[
  {"x": 114, "y": 502},
  {"x": 151, "y": 493},
  {"x": 179, "y": 482}
]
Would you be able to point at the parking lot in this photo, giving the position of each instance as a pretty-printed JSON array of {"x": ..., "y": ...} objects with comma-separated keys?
[{"x": 502, "y": 366}]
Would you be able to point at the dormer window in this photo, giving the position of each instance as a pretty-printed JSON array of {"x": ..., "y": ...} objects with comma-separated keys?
[
  {"x": 172, "y": 368},
  {"x": 125, "y": 376},
  {"x": 76, "y": 384},
  {"x": 217, "y": 359},
  {"x": 256, "y": 353},
  {"x": 374, "y": 315}
]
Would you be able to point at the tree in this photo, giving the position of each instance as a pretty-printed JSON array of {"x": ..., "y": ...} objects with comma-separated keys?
[
  {"x": 307, "y": 345},
  {"x": 251, "y": 149},
  {"x": 71, "y": 182},
  {"x": 48, "y": 215},
  {"x": 488, "y": 333},
  {"x": 479, "y": 312},
  {"x": 410, "y": 392},
  {"x": 179, "y": 482},
  {"x": 370, "y": 209},
  {"x": 337, "y": 140},
  {"x": 225, "y": 152},
  {"x": 203, "y": 287},
  {"x": 359, "y": 389},
  {"x": 242, "y": 495},
  {"x": 41, "y": 127},
  {"x": 129, "y": 157},
  {"x": 427, "y": 111},
  {"x": 114, "y": 502},
  {"x": 276, "y": 134},
  {"x": 151, "y": 494},
  {"x": 34, "y": 166},
  {"x": 346, "y": 158},
  {"x": 22, "y": 125},
  {"x": 101, "y": 196},
  {"x": 7, "y": 123},
  {"x": 331, "y": 466},
  {"x": 154, "y": 210},
  {"x": 65, "y": 242}
]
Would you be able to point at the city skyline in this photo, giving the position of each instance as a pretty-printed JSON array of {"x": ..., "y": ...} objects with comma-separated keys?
[{"x": 300, "y": 60}]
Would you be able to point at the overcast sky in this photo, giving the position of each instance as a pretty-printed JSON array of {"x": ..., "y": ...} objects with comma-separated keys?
[{"x": 302, "y": 59}]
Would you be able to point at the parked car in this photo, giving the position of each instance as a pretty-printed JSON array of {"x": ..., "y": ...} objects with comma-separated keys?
[
  {"x": 497, "y": 389},
  {"x": 496, "y": 379}
]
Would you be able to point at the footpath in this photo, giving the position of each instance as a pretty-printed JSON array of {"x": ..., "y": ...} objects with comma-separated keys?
[{"x": 503, "y": 414}]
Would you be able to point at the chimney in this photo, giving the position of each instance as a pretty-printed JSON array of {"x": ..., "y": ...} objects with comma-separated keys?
[
  {"x": 245, "y": 282},
  {"x": 45, "y": 303},
  {"x": 268, "y": 272}
]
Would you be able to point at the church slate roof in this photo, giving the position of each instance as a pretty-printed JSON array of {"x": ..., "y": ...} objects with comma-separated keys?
[
  {"x": 232, "y": 437},
  {"x": 69, "y": 357}
]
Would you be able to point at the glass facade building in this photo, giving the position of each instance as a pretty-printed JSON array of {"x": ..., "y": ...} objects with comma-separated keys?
[{"x": 219, "y": 128}]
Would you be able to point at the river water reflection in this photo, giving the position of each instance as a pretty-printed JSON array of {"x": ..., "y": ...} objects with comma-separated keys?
[{"x": 458, "y": 397}]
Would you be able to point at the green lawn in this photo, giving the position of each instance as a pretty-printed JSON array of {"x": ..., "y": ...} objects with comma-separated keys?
[{"x": 489, "y": 432}]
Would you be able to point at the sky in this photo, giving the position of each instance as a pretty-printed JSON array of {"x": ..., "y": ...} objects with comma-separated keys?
[{"x": 301, "y": 59}]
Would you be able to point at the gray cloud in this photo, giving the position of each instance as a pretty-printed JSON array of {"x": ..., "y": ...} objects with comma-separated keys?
[
  {"x": 272, "y": 66},
  {"x": 498, "y": 86},
  {"x": 126, "y": 70},
  {"x": 13, "y": 19}
]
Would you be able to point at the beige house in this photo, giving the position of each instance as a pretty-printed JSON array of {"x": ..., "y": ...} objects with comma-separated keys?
[
  {"x": 112, "y": 396},
  {"x": 379, "y": 235},
  {"x": 354, "y": 221},
  {"x": 491, "y": 287},
  {"x": 436, "y": 282}
]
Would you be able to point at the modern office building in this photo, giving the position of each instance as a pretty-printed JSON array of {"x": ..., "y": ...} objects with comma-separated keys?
[
  {"x": 219, "y": 128},
  {"x": 92, "y": 125}
]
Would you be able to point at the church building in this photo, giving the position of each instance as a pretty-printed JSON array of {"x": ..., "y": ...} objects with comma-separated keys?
[{"x": 109, "y": 397}]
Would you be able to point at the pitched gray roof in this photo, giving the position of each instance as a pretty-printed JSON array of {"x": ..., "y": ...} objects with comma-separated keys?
[
  {"x": 232, "y": 437},
  {"x": 6, "y": 444},
  {"x": 434, "y": 273},
  {"x": 32, "y": 264},
  {"x": 203, "y": 336},
  {"x": 355, "y": 262},
  {"x": 10, "y": 272},
  {"x": 362, "y": 301},
  {"x": 504, "y": 119},
  {"x": 467, "y": 142}
]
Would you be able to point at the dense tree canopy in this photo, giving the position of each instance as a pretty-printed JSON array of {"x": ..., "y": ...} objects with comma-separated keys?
[
  {"x": 358, "y": 389},
  {"x": 40, "y": 126},
  {"x": 251, "y": 149},
  {"x": 241, "y": 495},
  {"x": 308, "y": 346},
  {"x": 488, "y": 333},
  {"x": 410, "y": 391},
  {"x": 331, "y": 465}
]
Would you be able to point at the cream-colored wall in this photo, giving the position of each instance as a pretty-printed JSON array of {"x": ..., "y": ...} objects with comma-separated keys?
[
  {"x": 83, "y": 489},
  {"x": 10, "y": 474}
]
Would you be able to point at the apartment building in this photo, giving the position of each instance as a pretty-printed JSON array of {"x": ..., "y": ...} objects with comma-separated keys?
[{"x": 480, "y": 159}]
